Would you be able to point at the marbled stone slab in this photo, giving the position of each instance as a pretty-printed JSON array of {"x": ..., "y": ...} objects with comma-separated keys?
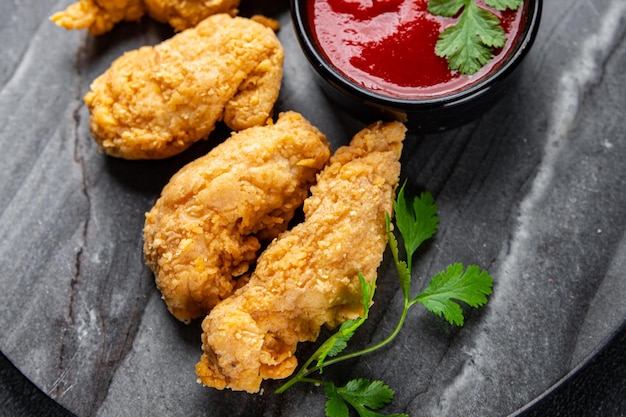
[{"x": 535, "y": 191}]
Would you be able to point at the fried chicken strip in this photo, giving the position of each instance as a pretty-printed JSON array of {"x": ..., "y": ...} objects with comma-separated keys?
[
  {"x": 308, "y": 276},
  {"x": 205, "y": 229},
  {"x": 186, "y": 14},
  {"x": 155, "y": 102},
  {"x": 99, "y": 16}
]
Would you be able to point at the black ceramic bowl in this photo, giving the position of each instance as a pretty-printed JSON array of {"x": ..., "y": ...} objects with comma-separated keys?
[{"x": 422, "y": 114}]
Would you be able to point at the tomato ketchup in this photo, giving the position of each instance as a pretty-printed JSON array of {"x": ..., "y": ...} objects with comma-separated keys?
[{"x": 389, "y": 45}]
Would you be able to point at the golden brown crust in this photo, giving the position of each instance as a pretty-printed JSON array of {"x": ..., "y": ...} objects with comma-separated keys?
[
  {"x": 183, "y": 15},
  {"x": 308, "y": 276},
  {"x": 99, "y": 16},
  {"x": 204, "y": 232},
  {"x": 155, "y": 102}
]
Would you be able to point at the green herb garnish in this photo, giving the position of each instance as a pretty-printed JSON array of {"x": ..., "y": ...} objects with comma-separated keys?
[
  {"x": 417, "y": 221},
  {"x": 469, "y": 44}
]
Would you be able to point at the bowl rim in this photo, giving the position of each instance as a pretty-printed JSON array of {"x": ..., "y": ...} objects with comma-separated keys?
[{"x": 333, "y": 76}]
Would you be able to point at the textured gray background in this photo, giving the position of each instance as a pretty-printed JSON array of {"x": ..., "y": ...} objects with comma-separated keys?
[{"x": 533, "y": 191}]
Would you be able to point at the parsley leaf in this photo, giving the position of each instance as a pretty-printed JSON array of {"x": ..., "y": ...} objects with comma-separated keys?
[
  {"x": 339, "y": 341},
  {"x": 504, "y": 4},
  {"x": 417, "y": 220},
  {"x": 470, "y": 286},
  {"x": 469, "y": 44},
  {"x": 446, "y": 8},
  {"x": 335, "y": 406},
  {"x": 363, "y": 395},
  {"x": 336, "y": 343},
  {"x": 404, "y": 273}
]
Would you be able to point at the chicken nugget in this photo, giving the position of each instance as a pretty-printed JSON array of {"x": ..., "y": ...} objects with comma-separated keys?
[
  {"x": 183, "y": 15},
  {"x": 207, "y": 226},
  {"x": 99, "y": 16},
  {"x": 308, "y": 276},
  {"x": 155, "y": 102}
]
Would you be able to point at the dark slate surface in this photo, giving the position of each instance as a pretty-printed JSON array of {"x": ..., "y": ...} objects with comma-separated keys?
[{"x": 533, "y": 191}]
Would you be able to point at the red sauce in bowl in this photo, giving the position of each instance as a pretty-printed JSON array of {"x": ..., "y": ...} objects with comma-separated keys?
[{"x": 388, "y": 46}]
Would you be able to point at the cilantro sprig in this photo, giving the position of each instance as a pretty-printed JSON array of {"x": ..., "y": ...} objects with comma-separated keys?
[
  {"x": 469, "y": 44},
  {"x": 417, "y": 221}
]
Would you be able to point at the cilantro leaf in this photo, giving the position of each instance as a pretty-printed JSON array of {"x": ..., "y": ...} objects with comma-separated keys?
[
  {"x": 365, "y": 396},
  {"x": 504, "y": 4},
  {"x": 468, "y": 45},
  {"x": 404, "y": 273},
  {"x": 471, "y": 286},
  {"x": 446, "y": 8},
  {"x": 335, "y": 406},
  {"x": 336, "y": 343},
  {"x": 371, "y": 394},
  {"x": 416, "y": 219}
]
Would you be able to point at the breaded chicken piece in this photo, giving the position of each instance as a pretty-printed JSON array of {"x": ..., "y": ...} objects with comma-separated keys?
[
  {"x": 206, "y": 228},
  {"x": 308, "y": 276},
  {"x": 186, "y": 14},
  {"x": 155, "y": 102},
  {"x": 99, "y": 16}
]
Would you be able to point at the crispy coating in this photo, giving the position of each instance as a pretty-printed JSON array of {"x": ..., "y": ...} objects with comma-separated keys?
[
  {"x": 205, "y": 229},
  {"x": 182, "y": 15},
  {"x": 99, "y": 16},
  {"x": 155, "y": 102},
  {"x": 308, "y": 276}
]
